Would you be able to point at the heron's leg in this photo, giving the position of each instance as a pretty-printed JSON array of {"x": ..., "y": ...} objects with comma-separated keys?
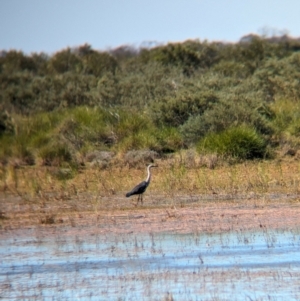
[
  {"x": 138, "y": 199},
  {"x": 141, "y": 198}
]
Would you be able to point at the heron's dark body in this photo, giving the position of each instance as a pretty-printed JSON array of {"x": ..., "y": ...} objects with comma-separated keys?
[{"x": 138, "y": 189}]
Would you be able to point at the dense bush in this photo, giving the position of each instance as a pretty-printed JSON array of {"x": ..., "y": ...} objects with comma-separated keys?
[
  {"x": 175, "y": 111},
  {"x": 188, "y": 56},
  {"x": 238, "y": 142}
]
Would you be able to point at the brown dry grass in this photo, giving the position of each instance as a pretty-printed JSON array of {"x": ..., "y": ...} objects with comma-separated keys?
[{"x": 229, "y": 197}]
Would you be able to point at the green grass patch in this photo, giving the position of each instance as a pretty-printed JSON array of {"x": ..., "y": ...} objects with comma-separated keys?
[
  {"x": 60, "y": 137},
  {"x": 286, "y": 116},
  {"x": 238, "y": 142}
]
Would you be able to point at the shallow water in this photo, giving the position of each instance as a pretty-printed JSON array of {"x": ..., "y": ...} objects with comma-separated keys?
[{"x": 228, "y": 266}]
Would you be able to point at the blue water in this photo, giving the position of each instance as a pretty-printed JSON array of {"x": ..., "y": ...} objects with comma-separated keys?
[{"x": 228, "y": 266}]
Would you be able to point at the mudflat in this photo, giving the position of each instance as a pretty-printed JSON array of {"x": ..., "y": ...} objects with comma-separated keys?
[{"x": 181, "y": 214}]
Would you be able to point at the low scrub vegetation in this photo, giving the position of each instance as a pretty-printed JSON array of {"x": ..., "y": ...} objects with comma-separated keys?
[{"x": 231, "y": 100}]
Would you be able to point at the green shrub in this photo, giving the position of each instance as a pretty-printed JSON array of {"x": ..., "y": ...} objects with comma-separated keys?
[
  {"x": 55, "y": 154},
  {"x": 99, "y": 63},
  {"x": 64, "y": 174},
  {"x": 16, "y": 147},
  {"x": 140, "y": 85},
  {"x": 169, "y": 140},
  {"x": 238, "y": 103},
  {"x": 286, "y": 121},
  {"x": 232, "y": 69},
  {"x": 175, "y": 111},
  {"x": 136, "y": 141},
  {"x": 280, "y": 78},
  {"x": 64, "y": 61},
  {"x": 239, "y": 142},
  {"x": 188, "y": 56},
  {"x": 15, "y": 61},
  {"x": 161, "y": 141},
  {"x": 6, "y": 123}
]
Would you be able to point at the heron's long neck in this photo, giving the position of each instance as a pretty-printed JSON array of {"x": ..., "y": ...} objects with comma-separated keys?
[{"x": 149, "y": 175}]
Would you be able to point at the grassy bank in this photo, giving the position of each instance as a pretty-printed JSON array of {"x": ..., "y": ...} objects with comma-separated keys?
[
  {"x": 179, "y": 175},
  {"x": 37, "y": 196}
]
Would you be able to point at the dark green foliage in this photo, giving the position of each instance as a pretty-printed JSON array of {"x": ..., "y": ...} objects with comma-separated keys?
[
  {"x": 15, "y": 61},
  {"x": 161, "y": 98},
  {"x": 252, "y": 54},
  {"x": 65, "y": 61},
  {"x": 178, "y": 55},
  {"x": 238, "y": 142},
  {"x": 188, "y": 56},
  {"x": 281, "y": 77},
  {"x": 175, "y": 111},
  {"x": 237, "y": 104},
  {"x": 6, "y": 123},
  {"x": 24, "y": 93},
  {"x": 55, "y": 154},
  {"x": 98, "y": 64},
  {"x": 108, "y": 90}
]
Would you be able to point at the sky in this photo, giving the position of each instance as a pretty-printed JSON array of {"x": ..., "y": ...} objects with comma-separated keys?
[{"x": 52, "y": 25}]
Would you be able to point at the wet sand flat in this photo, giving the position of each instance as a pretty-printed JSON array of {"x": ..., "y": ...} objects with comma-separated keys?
[{"x": 181, "y": 215}]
